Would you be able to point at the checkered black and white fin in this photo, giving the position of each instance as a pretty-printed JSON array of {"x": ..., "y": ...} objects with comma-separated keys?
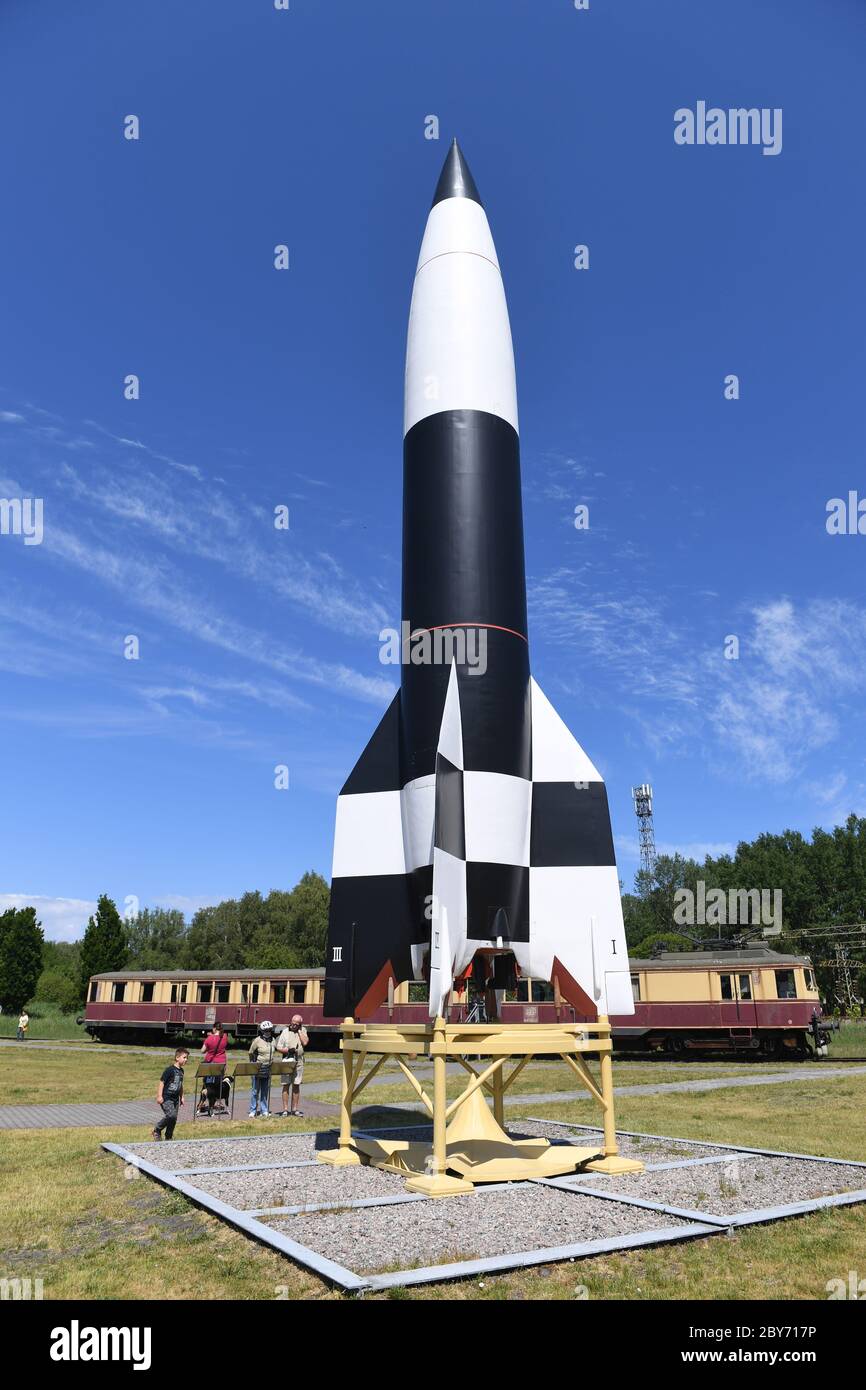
[
  {"x": 576, "y": 930},
  {"x": 373, "y": 916}
]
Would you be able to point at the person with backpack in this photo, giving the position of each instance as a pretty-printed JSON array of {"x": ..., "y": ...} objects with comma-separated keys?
[{"x": 263, "y": 1050}]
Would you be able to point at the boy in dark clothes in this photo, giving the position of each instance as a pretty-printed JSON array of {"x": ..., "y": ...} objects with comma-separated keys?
[{"x": 169, "y": 1095}]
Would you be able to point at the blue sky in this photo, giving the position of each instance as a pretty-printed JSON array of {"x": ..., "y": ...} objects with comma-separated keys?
[{"x": 154, "y": 779}]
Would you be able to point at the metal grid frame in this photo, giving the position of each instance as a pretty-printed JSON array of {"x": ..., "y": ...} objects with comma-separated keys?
[{"x": 701, "y": 1224}]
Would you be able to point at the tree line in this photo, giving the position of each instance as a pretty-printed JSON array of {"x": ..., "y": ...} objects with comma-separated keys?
[
  {"x": 821, "y": 882},
  {"x": 279, "y": 931}
]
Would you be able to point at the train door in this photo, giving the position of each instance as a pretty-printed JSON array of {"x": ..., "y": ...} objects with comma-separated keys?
[{"x": 737, "y": 989}]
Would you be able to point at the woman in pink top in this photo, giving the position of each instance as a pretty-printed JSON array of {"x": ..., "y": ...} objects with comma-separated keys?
[{"x": 214, "y": 1051}]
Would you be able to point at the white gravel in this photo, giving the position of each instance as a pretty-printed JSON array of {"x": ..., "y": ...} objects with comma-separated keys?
[
  {"x": 650, "y": 1150},
  {"x": 213, "y": 1153},
  {"x": 746, "y": 1182},
  {"x": 371, "y": 1239},
  {"x": 293, "y": 1186}
]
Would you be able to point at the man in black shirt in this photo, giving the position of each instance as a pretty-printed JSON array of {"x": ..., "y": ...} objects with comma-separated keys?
[{"x": 169, "y": 1095}]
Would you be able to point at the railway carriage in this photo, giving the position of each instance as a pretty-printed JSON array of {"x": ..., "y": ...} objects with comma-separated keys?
[{"x": 755, "y": 1001}]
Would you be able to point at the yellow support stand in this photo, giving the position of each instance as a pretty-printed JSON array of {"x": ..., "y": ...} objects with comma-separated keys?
[{"x": 470, "y": 1144}]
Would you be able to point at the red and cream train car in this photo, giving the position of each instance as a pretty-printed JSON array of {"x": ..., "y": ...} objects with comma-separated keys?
[{"x": 750, "y": 1000}]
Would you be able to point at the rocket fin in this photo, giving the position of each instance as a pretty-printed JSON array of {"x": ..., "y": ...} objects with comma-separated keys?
[
  {"x": 371, "y": 918},
  {"x": 448, "y": 924},
  {"x": 576, "y": 926}
]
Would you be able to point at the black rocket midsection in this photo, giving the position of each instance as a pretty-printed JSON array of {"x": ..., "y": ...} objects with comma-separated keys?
[{"x": 463, "y": 572}]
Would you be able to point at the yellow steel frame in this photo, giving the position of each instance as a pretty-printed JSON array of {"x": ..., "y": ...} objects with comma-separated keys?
[{"x": 442, "y": 1042}]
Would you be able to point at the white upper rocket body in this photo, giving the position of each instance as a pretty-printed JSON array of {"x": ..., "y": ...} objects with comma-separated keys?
[{"x": 458, "y": 353}]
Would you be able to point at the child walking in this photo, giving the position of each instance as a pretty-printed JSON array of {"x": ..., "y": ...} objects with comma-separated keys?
[{"x": 169, "y": 1095}]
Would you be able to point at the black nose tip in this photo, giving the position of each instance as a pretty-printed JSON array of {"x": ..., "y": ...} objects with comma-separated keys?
[{"x": 456, "y": 179}]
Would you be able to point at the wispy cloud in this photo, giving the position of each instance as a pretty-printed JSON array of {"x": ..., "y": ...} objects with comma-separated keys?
[
  {"x": 63, "y": 919},
  {"x": 801, "y": 671}
]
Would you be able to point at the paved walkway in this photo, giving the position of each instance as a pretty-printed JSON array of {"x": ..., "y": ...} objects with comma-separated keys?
[{"x": 120, "y": 1112}]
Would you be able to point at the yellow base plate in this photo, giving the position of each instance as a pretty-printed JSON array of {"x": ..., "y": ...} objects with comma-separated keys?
[
  {"x": 341, "y": 1158},
  {"x": 477, "y": 1150},
  {"x": 615, "y": 1165}
]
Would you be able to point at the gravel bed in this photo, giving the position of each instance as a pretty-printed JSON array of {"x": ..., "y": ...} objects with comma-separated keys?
[
  {"x": 650, "y": 1150},
  {"x": 371, "y": 1239},
  {"x": 193, "y": 1153},
  {"x": 291, "y": 1187},
  {"x": 265, "y": 1148},
  {"x": 745, "y": 1183}
]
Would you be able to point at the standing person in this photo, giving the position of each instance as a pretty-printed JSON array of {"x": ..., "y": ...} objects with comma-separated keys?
[
  {"x": 169, "y": 1095},
  {"x": 262, "y": 1050},
  {"x": 293, "y": 1040},
  {"x": 23, "y": 1025},
  {"x": 214, "y": 1052}
]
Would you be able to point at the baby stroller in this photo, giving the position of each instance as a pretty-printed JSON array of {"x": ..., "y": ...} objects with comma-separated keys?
[{"x": 215, "y": 1098}]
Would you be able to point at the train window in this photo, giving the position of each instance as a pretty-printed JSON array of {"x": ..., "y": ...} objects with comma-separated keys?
[
  {"x": 94, "y": 990},
  {"x": 298, "y": 993},
  {"x": 745, "y": 986},
  {"x": 635, "y": 988},
  {"x": 147, "y": 992},
  {"x": 118, "y": 992},
  {"x": 786, "y": 985},
  {"x": 727, "y": 983},
  {"x": 204, "y": 993},
  {"x": 249, "y": 994},
  {"x": 542, "y": 992},
  {"x": 523, "y": 991},
  {"x": 810, "y": 978},
  {"x": 178, "y": 994},
  {"x": 279, "y": 993},
  {"x": 222, "y": 993}
]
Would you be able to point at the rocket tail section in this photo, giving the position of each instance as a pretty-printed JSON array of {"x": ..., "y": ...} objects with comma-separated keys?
[
  {"x": 448, "y": 917},
  {"x": 372, "y": 916},
  {"x": 577, "y": 934}
]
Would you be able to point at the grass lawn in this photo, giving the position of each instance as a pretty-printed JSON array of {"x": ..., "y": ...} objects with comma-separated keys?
[
  {"x": 850, "y": 1041},
  {"x": 46, "y": 1021},
  {"x": 36, "y": 1076},
  {"x": 71, "y": 1216}
]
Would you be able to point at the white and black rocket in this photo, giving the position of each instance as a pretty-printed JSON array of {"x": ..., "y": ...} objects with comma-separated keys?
[{"x": 473, "y": 819}]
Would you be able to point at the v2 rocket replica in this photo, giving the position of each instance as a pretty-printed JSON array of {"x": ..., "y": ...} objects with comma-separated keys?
[{"x": 473, "y": 820}]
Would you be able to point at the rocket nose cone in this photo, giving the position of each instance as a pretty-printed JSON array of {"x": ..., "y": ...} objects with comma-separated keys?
[{"x": 456, "y": 180}]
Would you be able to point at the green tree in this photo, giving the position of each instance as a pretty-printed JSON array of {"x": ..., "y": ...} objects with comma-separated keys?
[
  {"x": 309, "y": 913},
  {"x": 21, "y": 943},
  {"x": 215, "y": 940},
  {"x": 104, "y": 945},
  {"x": 659, "y": 941},
  {"x": 156, "y": 938},
  {"x": 62, "y": 958},
  {"x": 52, "y": 987}
]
